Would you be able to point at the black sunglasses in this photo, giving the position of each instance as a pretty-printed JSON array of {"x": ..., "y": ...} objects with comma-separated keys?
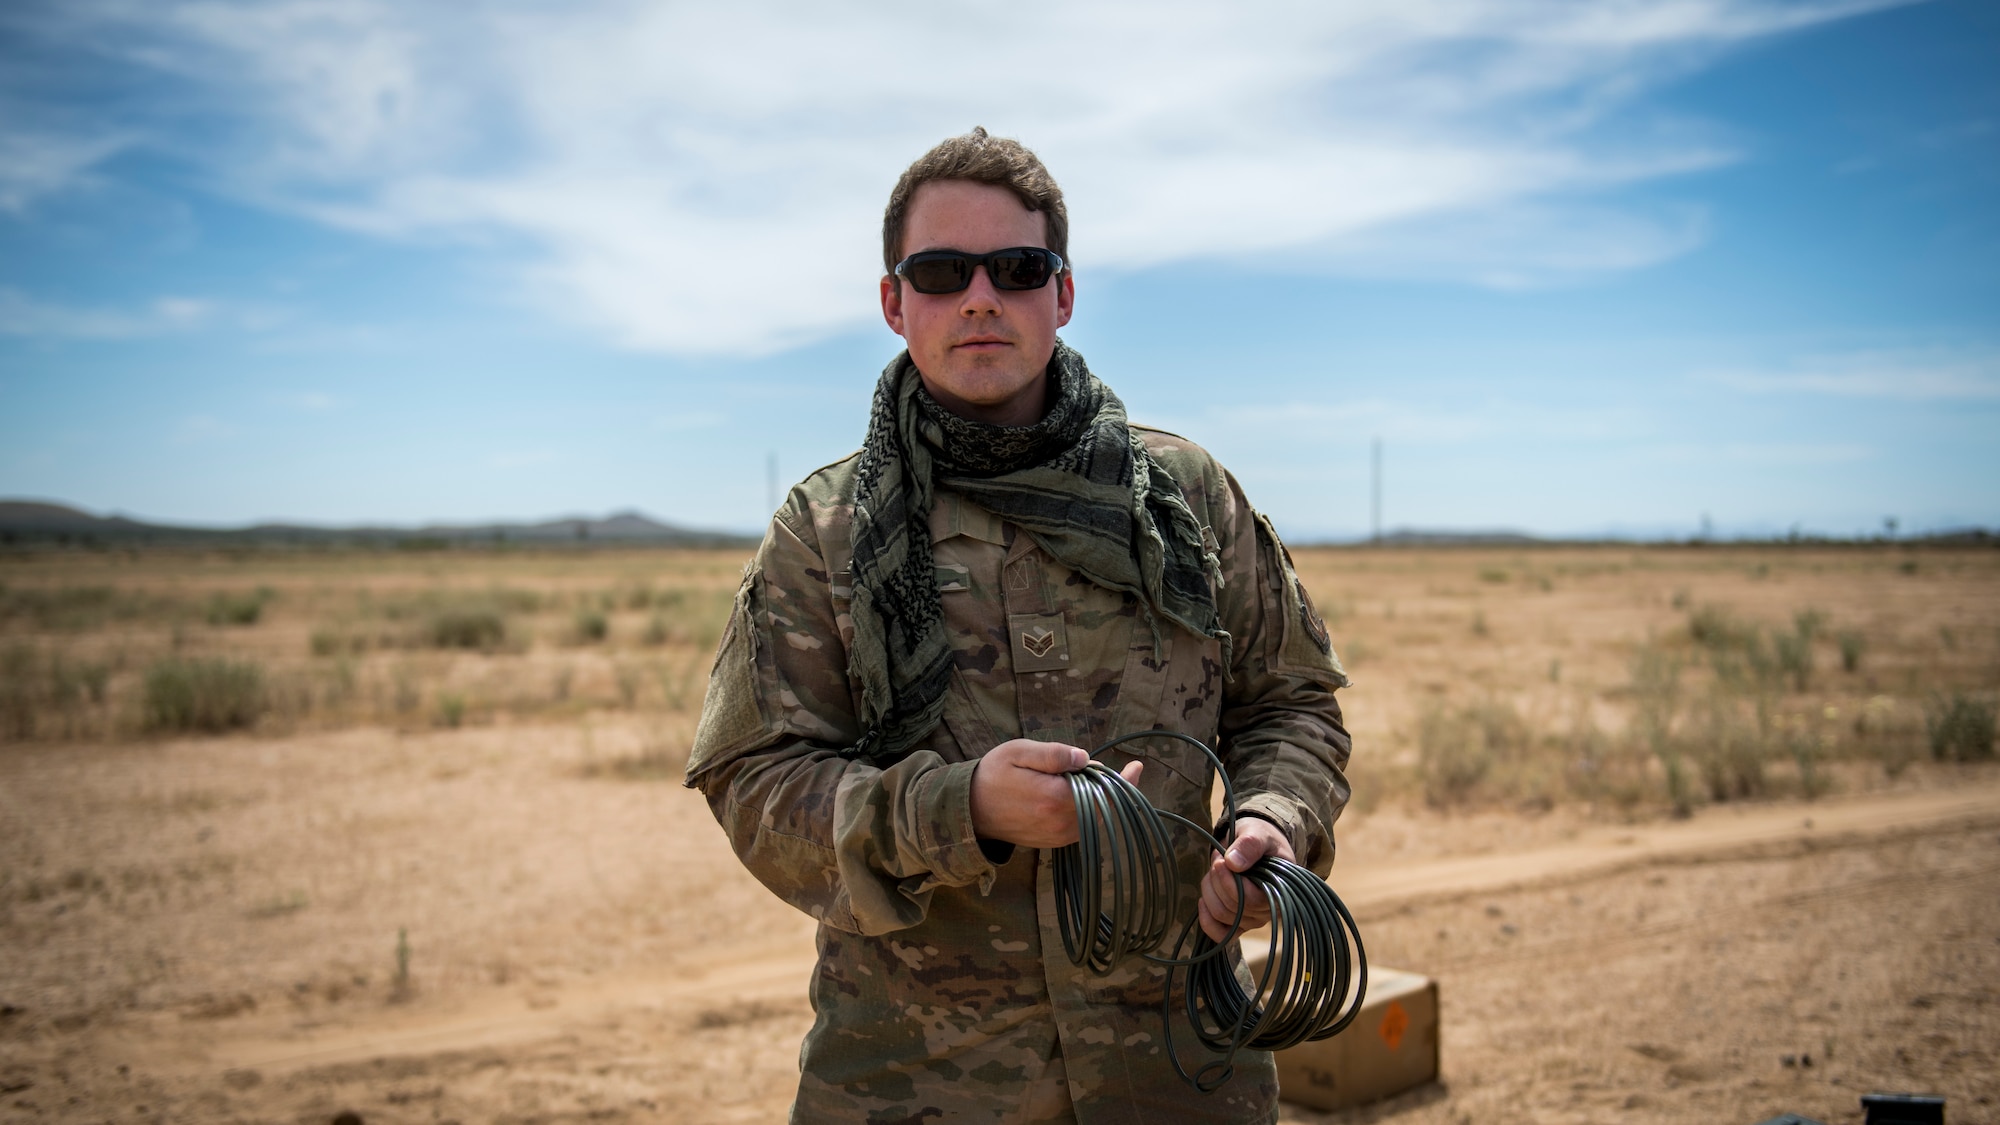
[{"x": 949, "y": 271}]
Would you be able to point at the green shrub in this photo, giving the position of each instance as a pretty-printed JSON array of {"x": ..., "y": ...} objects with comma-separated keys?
[
  {"x": 591, "y": 626},
  {"x": 468, "y": 628},
  {"x": 656, "y": 632},
  {"x": 1852, "y": 644},
  {"x": 237, "y": 609},
  {"x": 1795, "y": 657},
  {"x": 206, "y": 696},
  {"x": 1462, "y": 751},
  {"x": 1714, "y": 628},
  {"x": 451, "y": 709},
  {"x": 1961, "y": 728},
  {"x": 18, "y": 694}
]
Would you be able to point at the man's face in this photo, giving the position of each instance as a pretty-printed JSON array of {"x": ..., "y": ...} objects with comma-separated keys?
[{"x": 983, "y": 352}]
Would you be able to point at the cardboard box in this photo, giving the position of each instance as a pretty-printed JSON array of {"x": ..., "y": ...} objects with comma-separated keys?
[{"x": 1392, "y": 1046}]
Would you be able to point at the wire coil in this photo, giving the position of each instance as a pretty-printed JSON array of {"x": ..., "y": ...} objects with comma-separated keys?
[{"x": 1315, "y": 977}]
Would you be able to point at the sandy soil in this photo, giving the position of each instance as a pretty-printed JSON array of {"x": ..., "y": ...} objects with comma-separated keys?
[{"x": 207, "y": 931}]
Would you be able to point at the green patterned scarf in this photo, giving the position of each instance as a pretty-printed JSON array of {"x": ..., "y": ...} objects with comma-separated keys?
[{"x": 1079, "y": 480}]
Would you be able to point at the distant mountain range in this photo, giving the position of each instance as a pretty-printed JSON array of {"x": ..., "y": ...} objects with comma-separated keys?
[{"x": 30, "y": 522}]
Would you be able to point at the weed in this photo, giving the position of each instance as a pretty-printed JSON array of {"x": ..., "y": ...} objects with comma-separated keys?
[
  {"x": 1730, "y": 753},
  {"x": 656, "y": 632},
  {"x": 590, "y": 626},
  {"x": 1809, "y": 622},
  {"x": 1714, "y": 628},
  {"x": 628, "y": 683},
  {"x": 19, "y": 699},
  {"x": 1795, "y": 657},
  {"x": 277, "y": 906},
  {"x": 238, "y": 609},
  {"x": 1479, "y": 623},
  {"x": 1555, "y": 671},
  {"x": 407, "y": 695},
  {"x": 1852, "y": 644},
  {"x": 203, "y": 695},
  {"x": 1480, "y": 747},
  {"x": 450, "y": 709},
  {"x": 1453, "y": 757},
  {"x": 1961, "y": 727},
  {"x": 468, "y": 628},
  {"x": 1493, "y": 575},
  {"x": 1680, "y": 599},
  {"x": 401, "y": 982}
]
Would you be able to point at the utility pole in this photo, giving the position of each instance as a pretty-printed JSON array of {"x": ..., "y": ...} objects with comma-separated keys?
[
  {"x": 771, "y": 479},
  {"x": 1375, "y": 502}
]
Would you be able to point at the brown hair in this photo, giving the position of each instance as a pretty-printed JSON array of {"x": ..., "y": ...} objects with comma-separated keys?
[{"x": 999, "y": 161}]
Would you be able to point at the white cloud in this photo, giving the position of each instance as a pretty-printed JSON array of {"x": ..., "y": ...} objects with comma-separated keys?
[
  {"x": 35, "y": 164},
  {"x": 711, "y": 177},
  {"x": 1919, "y": 376},
  {"x": 22, "y": 315}
]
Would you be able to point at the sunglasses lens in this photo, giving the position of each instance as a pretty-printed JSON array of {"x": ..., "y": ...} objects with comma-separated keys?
[
  {"x": 950, "y": 271},
  {"x": 1026, "y": 268},
  {"x": 946, "y": 273}
]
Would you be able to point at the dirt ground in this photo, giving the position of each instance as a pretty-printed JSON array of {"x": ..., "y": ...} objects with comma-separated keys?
[{"x": 488, "y": 923}]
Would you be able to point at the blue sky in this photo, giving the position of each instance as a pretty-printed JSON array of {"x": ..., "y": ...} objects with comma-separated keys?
[{"x": 1582, "y": 267}]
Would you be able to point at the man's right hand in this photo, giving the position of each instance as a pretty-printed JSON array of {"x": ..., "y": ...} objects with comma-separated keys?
[{"x": 1019, "y": 794}]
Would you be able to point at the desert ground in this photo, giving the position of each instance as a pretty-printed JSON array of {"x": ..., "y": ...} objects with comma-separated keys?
[{"x": 1685, "y": 834}]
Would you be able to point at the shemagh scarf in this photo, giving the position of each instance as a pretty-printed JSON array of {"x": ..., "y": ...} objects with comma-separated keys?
[{"x": 1079, "y": 480}]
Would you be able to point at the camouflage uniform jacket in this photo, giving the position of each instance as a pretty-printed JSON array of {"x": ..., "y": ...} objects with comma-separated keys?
[{"x": 942, "y": 988}]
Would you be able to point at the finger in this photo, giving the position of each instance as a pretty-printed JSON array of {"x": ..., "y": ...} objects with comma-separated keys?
[
  {"x": 1218, "y": 893},
  {"x": 1245, "y": 851},
  {"x": 1132, "y": 771},
  {"x": 1050, "y": 757},
  {"x": 1216, "y": 929}
]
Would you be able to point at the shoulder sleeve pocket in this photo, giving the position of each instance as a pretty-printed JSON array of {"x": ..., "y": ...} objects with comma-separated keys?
[
  {"x": 1301, "y": 642},
  {"x": 733, "y": 718}
]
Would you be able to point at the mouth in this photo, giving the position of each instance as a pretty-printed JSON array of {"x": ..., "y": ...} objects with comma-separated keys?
[{"x": 983, "y": 343}]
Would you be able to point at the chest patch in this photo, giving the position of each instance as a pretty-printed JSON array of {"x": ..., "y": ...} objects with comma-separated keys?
[{"x": 1041, "y": 641}]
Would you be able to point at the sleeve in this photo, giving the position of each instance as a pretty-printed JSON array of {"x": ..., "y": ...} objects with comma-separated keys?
[
  {"x": 860, "y": 848},
  {"x": 1282, "y": 736}
]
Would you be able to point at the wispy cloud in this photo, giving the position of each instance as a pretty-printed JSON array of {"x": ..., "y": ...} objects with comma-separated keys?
[
  {"x": 1918, "y": 376},
  {"x": 34, "y": 164},
  {"x": 22, "y": 315},
  {"x": 649, "y": 163}
]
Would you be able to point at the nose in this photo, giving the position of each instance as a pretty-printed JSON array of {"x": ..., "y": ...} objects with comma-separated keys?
[{"x": 979, "y": 298}]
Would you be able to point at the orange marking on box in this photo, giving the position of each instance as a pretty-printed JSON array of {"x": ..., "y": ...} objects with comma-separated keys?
[{"x": 1395, "y": 1022}]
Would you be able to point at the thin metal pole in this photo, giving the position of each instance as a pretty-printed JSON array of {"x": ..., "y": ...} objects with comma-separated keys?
[{"x": 771, "y": 487}]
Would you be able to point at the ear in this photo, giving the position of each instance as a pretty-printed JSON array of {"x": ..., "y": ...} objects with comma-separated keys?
[
  {"x": 892, "y": 304},
  {"x": 1065, "y": 299}
]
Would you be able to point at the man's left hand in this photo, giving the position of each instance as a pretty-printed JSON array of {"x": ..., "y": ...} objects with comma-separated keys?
[{"x": 1255, "y": 839}]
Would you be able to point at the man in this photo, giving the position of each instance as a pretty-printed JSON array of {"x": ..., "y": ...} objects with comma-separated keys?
[{"x": 931, "y": 633}]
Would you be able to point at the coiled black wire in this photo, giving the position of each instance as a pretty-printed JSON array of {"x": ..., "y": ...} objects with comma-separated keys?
[{"x": 1315, "y": 977}]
